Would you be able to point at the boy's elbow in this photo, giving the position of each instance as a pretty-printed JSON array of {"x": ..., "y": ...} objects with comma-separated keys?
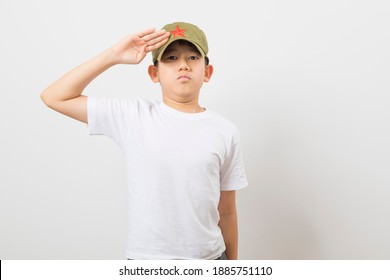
[{"x": 45, "y": 99}]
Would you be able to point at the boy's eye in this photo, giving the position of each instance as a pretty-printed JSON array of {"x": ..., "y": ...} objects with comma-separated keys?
[{"x": 171, "y": 57}]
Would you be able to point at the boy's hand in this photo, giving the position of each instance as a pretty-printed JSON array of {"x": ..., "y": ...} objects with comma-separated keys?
[{"x": 133, "y": 48}]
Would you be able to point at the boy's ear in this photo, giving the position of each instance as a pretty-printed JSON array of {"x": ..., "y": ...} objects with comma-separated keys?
[
  {"x": 208, "y": 72},
  {"x": 152, "y": 70}
]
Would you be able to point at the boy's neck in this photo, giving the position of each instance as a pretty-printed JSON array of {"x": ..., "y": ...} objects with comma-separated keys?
[{"x": 186, "y": 107}]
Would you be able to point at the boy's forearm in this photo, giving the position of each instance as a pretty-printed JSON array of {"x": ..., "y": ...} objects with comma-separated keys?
[
  {"x": 72, "y": 84},
  {"x": 229, "y": 227}
]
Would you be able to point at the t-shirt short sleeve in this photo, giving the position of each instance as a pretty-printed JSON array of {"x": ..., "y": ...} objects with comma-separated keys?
[
  {"x": 108, "y": 116},
  {"x": 233, "y": 176}
]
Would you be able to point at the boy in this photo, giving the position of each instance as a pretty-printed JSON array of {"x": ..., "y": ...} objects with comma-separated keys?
[{"x": 183, "y": 162}]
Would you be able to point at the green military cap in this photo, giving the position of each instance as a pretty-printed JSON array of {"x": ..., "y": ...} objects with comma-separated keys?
[{"x": 183, "y": 31}]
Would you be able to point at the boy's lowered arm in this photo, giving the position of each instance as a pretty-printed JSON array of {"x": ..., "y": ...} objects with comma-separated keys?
[
  {"x": 228, "y": 223},
  {"x": 65, "y": 94}
]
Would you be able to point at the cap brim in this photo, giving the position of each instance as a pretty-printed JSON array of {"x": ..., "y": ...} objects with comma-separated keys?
[{"x": 158, "y": 58}]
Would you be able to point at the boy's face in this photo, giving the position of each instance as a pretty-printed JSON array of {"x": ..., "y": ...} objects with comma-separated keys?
[{"x": 181, "y": 71}]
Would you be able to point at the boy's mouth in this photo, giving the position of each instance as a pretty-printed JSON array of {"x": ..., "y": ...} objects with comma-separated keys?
[{"x": 184, "y": 77}]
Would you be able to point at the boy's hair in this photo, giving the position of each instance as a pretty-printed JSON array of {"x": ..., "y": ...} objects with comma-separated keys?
[
  {"x": 187, "y": 32},
  {"x": 187, "y": 43}
]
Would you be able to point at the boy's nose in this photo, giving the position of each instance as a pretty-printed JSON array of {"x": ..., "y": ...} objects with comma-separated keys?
[{"x": 183, "y": 65}]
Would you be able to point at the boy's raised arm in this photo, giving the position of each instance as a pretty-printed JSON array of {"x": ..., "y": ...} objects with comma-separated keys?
[{"x": 64, "y": 95}]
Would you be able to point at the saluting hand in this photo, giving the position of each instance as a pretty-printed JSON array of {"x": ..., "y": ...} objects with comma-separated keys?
[{"x": 132, "y": 49}]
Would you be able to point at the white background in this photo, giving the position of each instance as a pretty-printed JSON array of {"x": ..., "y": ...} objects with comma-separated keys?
[{"x": 306, "y": 82}]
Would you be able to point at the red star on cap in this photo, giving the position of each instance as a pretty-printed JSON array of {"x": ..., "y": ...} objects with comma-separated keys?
[{"x": 178, "y": 32}]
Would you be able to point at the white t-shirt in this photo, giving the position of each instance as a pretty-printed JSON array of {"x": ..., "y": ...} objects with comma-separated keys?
[{"x": 176, "y": 163}]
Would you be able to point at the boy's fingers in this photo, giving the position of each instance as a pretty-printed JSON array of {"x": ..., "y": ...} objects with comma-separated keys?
[
  {"x": 157, "y": 34},
  {"x": 154, "y": 46},
  {"x": 146, "y": 32},
  {"x": 158, "y": 39},
  {"x": 153, "y": 39}
]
